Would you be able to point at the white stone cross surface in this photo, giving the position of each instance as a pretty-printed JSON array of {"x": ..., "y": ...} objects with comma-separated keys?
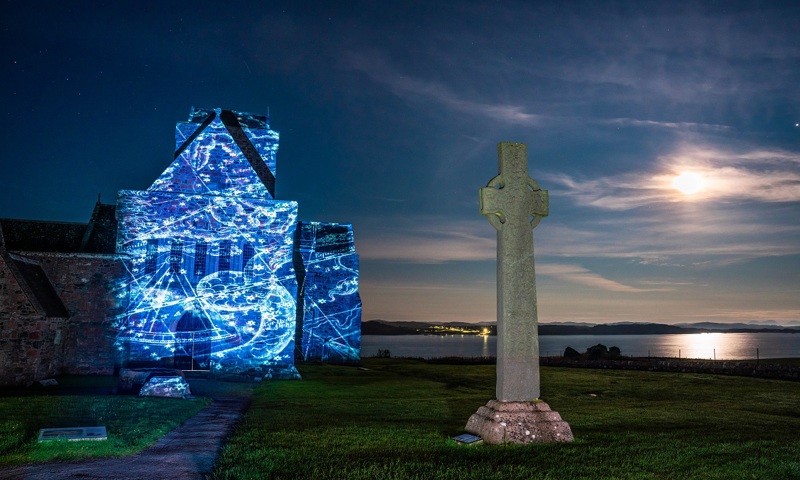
[{"x": 514, "y": 205}]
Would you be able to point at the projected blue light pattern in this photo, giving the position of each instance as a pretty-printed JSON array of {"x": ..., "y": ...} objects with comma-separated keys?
[
  {"x": 329, "y": 307},
  {"x": 222, "y": 152},
  {"x": 213, "y": 261},
  {"x": 207, "y": 281}
]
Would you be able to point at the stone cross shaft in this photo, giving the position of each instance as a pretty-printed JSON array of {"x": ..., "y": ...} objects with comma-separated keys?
[{"x": 514, "y": 205}]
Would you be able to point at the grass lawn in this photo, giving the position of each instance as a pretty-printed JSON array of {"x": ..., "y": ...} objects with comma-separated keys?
[
  {"x": 132, "y": 422},
  {"x": 394, "y": 421}
]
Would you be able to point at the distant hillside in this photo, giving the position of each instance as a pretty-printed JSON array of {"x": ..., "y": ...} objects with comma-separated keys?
[
  {"x": 384, "y": 327},
  {"x": 380, "y": 327},
  {"x": 738, "y": 326},
  {"x": 614, "y": 329}
]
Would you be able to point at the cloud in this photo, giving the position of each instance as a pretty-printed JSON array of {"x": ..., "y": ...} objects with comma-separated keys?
[
  {"x": 667, "y": 283},
  {"x": 582, "y": 276},
  {"x": 701, "y": 237},
  {"x": 669, "y": 125},
  {"x": 408, "y": 87},
  {"x": 684, "y": 56},
  {"x": 758, "y": 175},
  {"x": 698, "y": 236},
  {"x": 427, "y": 240},
  {"x": 433, "y": 300}
]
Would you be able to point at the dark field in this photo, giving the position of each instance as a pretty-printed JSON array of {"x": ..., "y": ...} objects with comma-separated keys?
[{"x": 395, "y": 421}]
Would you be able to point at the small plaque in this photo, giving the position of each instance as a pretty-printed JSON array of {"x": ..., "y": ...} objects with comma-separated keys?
[
  {"x": 467, "y": 438},
  {"x": 73, "y": 434}
]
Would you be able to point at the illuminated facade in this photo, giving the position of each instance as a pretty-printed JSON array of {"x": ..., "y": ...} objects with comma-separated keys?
[{"x": 219, "y": 274}]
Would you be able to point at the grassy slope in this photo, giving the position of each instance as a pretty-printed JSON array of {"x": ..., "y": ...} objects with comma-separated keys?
[
  {"x": 395, "y": 420},
  {"x": 132, "y": 423}
]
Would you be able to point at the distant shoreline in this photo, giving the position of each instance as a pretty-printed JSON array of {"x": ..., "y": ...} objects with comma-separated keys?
[{"x": 383, "y": 327}]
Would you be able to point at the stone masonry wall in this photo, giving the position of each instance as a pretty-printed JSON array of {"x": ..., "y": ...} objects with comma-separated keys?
[
  {"x": 85, "y": 283},
  {"x": 30, "y": 348},
  {"x": 30, "y": 344}
]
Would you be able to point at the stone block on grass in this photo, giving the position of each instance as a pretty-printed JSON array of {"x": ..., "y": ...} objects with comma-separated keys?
[{"x": 168, "y": 387}]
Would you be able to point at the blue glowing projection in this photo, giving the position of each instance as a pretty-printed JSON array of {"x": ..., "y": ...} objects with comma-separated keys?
[
  {"x": 328, "y": 300},
  {"x": 213, "y": 262}
]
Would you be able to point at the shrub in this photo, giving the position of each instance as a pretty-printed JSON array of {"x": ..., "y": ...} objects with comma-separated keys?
[
  {"x": 597, "y": 351},
  {"x": 571, "y": 353}
]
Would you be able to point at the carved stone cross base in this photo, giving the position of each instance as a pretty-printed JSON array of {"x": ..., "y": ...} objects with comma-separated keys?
[{"x": 518, "y": 422}]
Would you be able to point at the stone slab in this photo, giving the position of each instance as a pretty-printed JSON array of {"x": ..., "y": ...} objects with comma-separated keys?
[
  {"x": 73, "y": 434},
  {"x": 518, "y": 422},
  {"x": 131, "y": 380},
  {"x": 167, "y": 387}
]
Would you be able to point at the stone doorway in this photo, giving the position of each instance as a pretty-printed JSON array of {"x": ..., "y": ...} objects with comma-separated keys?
[{"x": 193, "y": 351}]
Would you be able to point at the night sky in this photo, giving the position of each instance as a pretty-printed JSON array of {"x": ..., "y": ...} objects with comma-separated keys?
[{"x": 390, "y": 113}]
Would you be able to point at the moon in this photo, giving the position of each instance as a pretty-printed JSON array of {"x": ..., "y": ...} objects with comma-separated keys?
[{"x": 689, "y": 183}]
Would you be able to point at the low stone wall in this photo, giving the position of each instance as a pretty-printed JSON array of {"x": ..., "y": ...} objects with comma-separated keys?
[{"x": 761, "y": 369}]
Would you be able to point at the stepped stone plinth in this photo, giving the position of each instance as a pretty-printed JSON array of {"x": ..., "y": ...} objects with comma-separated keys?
[{"x": 518, "y": 422}]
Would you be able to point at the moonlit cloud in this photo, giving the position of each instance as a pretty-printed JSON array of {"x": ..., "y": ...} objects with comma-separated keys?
[
  {"x": 662, "y": 124},
  {"x": 428, "y": 240},
  {"x": 582, "y": 276},
  {"x": 718, "y": 238},
  {"x": 755, "y": 175},
  {"x": 700, "y": 235},
  {"x": 407, "y": 86}
]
